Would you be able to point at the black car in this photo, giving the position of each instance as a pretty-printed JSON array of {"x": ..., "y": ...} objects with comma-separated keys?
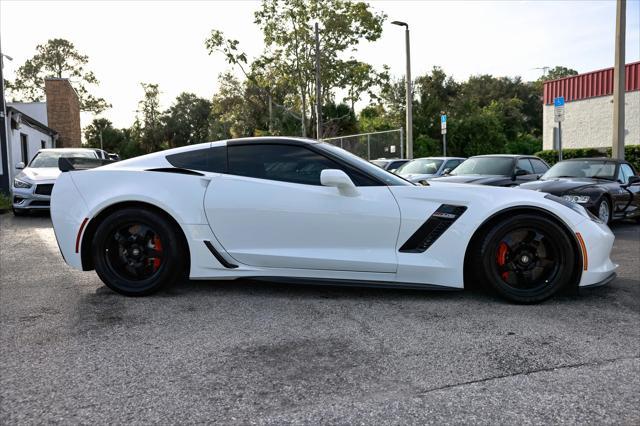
[
  {"x": 606, "y": 187},
  {"x": 497, "y": 170},
  {"x": 390, "y": 164}
]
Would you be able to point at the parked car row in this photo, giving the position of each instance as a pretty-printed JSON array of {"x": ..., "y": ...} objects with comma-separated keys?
[
  {"x": 33, "y": 185},
  {"x": 608, "y": 188}
]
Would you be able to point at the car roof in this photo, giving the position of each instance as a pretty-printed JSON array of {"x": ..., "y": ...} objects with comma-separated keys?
[
  {"x": 505, "y": 156},
  {"x": 440, "y": 158},
  {"x": 614, "y": 160},
  {"x": 66, "y": 149}
]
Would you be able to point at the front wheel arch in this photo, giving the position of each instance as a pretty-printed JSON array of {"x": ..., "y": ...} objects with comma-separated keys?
[
  {"x": 92, "y": 226},
  {"x": 497, "y": 217}
]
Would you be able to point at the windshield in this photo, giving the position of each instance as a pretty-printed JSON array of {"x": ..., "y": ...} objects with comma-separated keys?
[
  {"x": 357, "y": 162},
  {"x": 582, "y": 168},
  {"x": 422, "y": 166},
  {"x": 485, "y": 166},
  {"x": 50, "y": 158}
]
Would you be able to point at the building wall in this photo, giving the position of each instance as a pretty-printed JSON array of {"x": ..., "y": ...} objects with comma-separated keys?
[
  {"x": 35, "y": 110},
  {"x": 588, "y": 123},
  {"x": 35, "y": 137},
  {"x": 63, "y": 111}
]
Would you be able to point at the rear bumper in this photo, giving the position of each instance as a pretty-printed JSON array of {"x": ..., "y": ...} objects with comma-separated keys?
[{"x": 68, "y": 212}]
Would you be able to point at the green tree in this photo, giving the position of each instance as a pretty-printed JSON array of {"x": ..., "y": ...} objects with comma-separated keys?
[
  {"x": 559, "y": 72},
  {"x": 187, "y": 121},
  {"x": 102, "y": 128},
  {"x": 288, "y": 31},
  {"x": 57, "y": 58},
  {"x": 148, "y": 129}
]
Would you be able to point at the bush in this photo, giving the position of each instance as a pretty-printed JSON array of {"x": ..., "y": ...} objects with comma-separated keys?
[
  {"x": 524, "y": 144},
  {"x": 631, "y": 154}
]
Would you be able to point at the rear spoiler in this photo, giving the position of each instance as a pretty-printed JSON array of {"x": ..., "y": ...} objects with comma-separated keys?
[{"x": 66, "y": 164}]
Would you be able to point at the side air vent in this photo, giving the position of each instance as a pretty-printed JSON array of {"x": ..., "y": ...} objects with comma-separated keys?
[
  {"x": 175, "y": 170},
  {"x": 219, "y": 257},
  {"x": 433, "y": 228}
]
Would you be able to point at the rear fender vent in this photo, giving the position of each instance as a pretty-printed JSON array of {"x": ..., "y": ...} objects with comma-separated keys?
[{"x": 433, "y": 228}]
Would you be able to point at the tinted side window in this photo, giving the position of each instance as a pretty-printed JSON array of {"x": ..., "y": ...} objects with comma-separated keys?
[
  {"x": 524, "y": 164},
  {"x": 286, "y": 163},
  {"x": 538, "y": 166},
  {"x": 451, "y": 164},
  {"x": 206, "y": 160},
  {"x": 627, "y": 172}
]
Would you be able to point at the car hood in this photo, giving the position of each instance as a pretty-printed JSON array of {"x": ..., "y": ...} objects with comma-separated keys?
[
  {"x": 479, "y": 179},
  {"x": 560, "y": 186},
  {"x": 39, "y": 174}
]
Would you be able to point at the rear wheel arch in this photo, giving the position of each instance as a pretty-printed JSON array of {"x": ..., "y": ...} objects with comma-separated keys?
[
  {"x": 476, "y": 239},
  {"x": 92, "y": 226}
]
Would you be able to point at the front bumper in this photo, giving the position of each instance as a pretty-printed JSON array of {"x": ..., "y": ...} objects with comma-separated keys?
[
  {"x": 598, "y": 243},
  {"x": 29, "y": 199}
]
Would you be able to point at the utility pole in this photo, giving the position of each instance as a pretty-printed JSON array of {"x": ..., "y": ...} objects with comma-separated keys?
[
  {"x": 409, "y": 94},
  {"x": 101, "y": 140},
  {"x": 617, "y": 150},
  {"x": 318, "y": 91},
  {"x": 4, "y": 140}
]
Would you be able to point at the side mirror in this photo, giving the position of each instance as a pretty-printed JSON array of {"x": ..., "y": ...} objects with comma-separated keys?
[
  {"x": 447, "y": 171},
  {"x": 20, "y": 165},
  {"x": 338, "y": 179},
  {"x": 633, "y": 180},
  {"x": 521, "y": 172}
]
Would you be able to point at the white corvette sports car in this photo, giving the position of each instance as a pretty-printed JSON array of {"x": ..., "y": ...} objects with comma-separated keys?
[{"x": 302, "y": 211}]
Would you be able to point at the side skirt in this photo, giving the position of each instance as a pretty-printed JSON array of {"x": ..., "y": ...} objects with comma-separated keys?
[{"x": 352, "y": 283}]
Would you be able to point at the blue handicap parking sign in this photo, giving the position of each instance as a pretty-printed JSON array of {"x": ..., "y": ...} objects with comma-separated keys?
[
  {"x": 443, "y": 118},
  {"x": 558, "y": 102}
]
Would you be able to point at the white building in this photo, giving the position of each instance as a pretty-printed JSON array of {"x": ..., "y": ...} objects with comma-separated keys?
[
  {"x": 588, "y": 121},
  {"x": 26, "y": 134}
]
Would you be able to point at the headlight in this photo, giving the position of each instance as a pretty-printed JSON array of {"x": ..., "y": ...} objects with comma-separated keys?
[
  {"x": 580, "y": 199},
  {"x": 573, "y": 206},
  {"x": 17, "y": 183}
]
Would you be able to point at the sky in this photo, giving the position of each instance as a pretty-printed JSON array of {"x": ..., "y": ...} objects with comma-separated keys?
[{"x": 163, "y": 41}]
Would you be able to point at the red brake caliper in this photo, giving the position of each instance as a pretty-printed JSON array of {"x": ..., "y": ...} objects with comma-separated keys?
[
  {"x": 158, "y": 246},
  {"x": 501, "y": 258}
]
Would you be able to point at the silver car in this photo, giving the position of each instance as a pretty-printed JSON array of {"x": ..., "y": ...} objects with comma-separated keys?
[
  {"x": 32, "y": 186},
  {"x": 421, "y": 169}
]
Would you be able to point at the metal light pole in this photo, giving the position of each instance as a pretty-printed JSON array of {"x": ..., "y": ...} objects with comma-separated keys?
[
  {"x": 409, "y": 94},
  {"x": 318, "y": 92},
  {"x": 617, "y": 148}
]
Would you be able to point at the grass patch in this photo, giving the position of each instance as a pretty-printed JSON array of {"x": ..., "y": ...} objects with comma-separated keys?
[{"x": 5, "y": 202}]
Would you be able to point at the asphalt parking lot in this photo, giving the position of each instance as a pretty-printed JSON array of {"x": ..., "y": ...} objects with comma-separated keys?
[{"x": 72, "y": 351}]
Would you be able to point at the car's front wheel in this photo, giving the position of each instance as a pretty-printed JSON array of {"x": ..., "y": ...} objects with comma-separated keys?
[
  {"x": 604, "y": 210},
  {"x": 526, "y": 258},
  {"x": 136, "y": 252}
]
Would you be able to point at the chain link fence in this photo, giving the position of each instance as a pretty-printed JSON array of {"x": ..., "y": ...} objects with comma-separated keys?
[{"x": 370, "y": 146}]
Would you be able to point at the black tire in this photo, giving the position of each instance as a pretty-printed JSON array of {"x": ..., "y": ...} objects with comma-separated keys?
[
  {"x": 531, "y": 269},
  {"x": 157, "y": 244},
  {"x": 20, "y": 212}
]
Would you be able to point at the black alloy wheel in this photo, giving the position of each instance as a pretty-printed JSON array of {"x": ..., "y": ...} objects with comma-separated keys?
[
  {"x": 137, "y": 252},
  {"x": 527, "y": 258}
]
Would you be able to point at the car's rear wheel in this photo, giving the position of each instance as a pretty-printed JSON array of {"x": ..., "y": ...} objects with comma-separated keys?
[
  {"x": 137, "y": 252},
  {"x": 526, "y": 258}
]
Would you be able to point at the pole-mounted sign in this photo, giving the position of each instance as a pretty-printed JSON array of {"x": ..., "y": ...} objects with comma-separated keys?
[
  {"x": 558, "y": 117},
  {"x": 443, "y": 131}
]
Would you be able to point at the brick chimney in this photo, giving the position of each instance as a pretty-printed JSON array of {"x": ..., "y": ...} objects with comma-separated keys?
[{"x": 63, "y": 111}]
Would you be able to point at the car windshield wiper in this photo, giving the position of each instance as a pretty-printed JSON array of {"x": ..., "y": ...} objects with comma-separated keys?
[{"x": 602, "y": 177}]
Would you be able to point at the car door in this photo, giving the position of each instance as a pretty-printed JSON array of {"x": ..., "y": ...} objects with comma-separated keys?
[
  {"x": 270, "y": 210},
  {"x": 625, "y": 199},
  {"x": 524, "y": 165}
]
